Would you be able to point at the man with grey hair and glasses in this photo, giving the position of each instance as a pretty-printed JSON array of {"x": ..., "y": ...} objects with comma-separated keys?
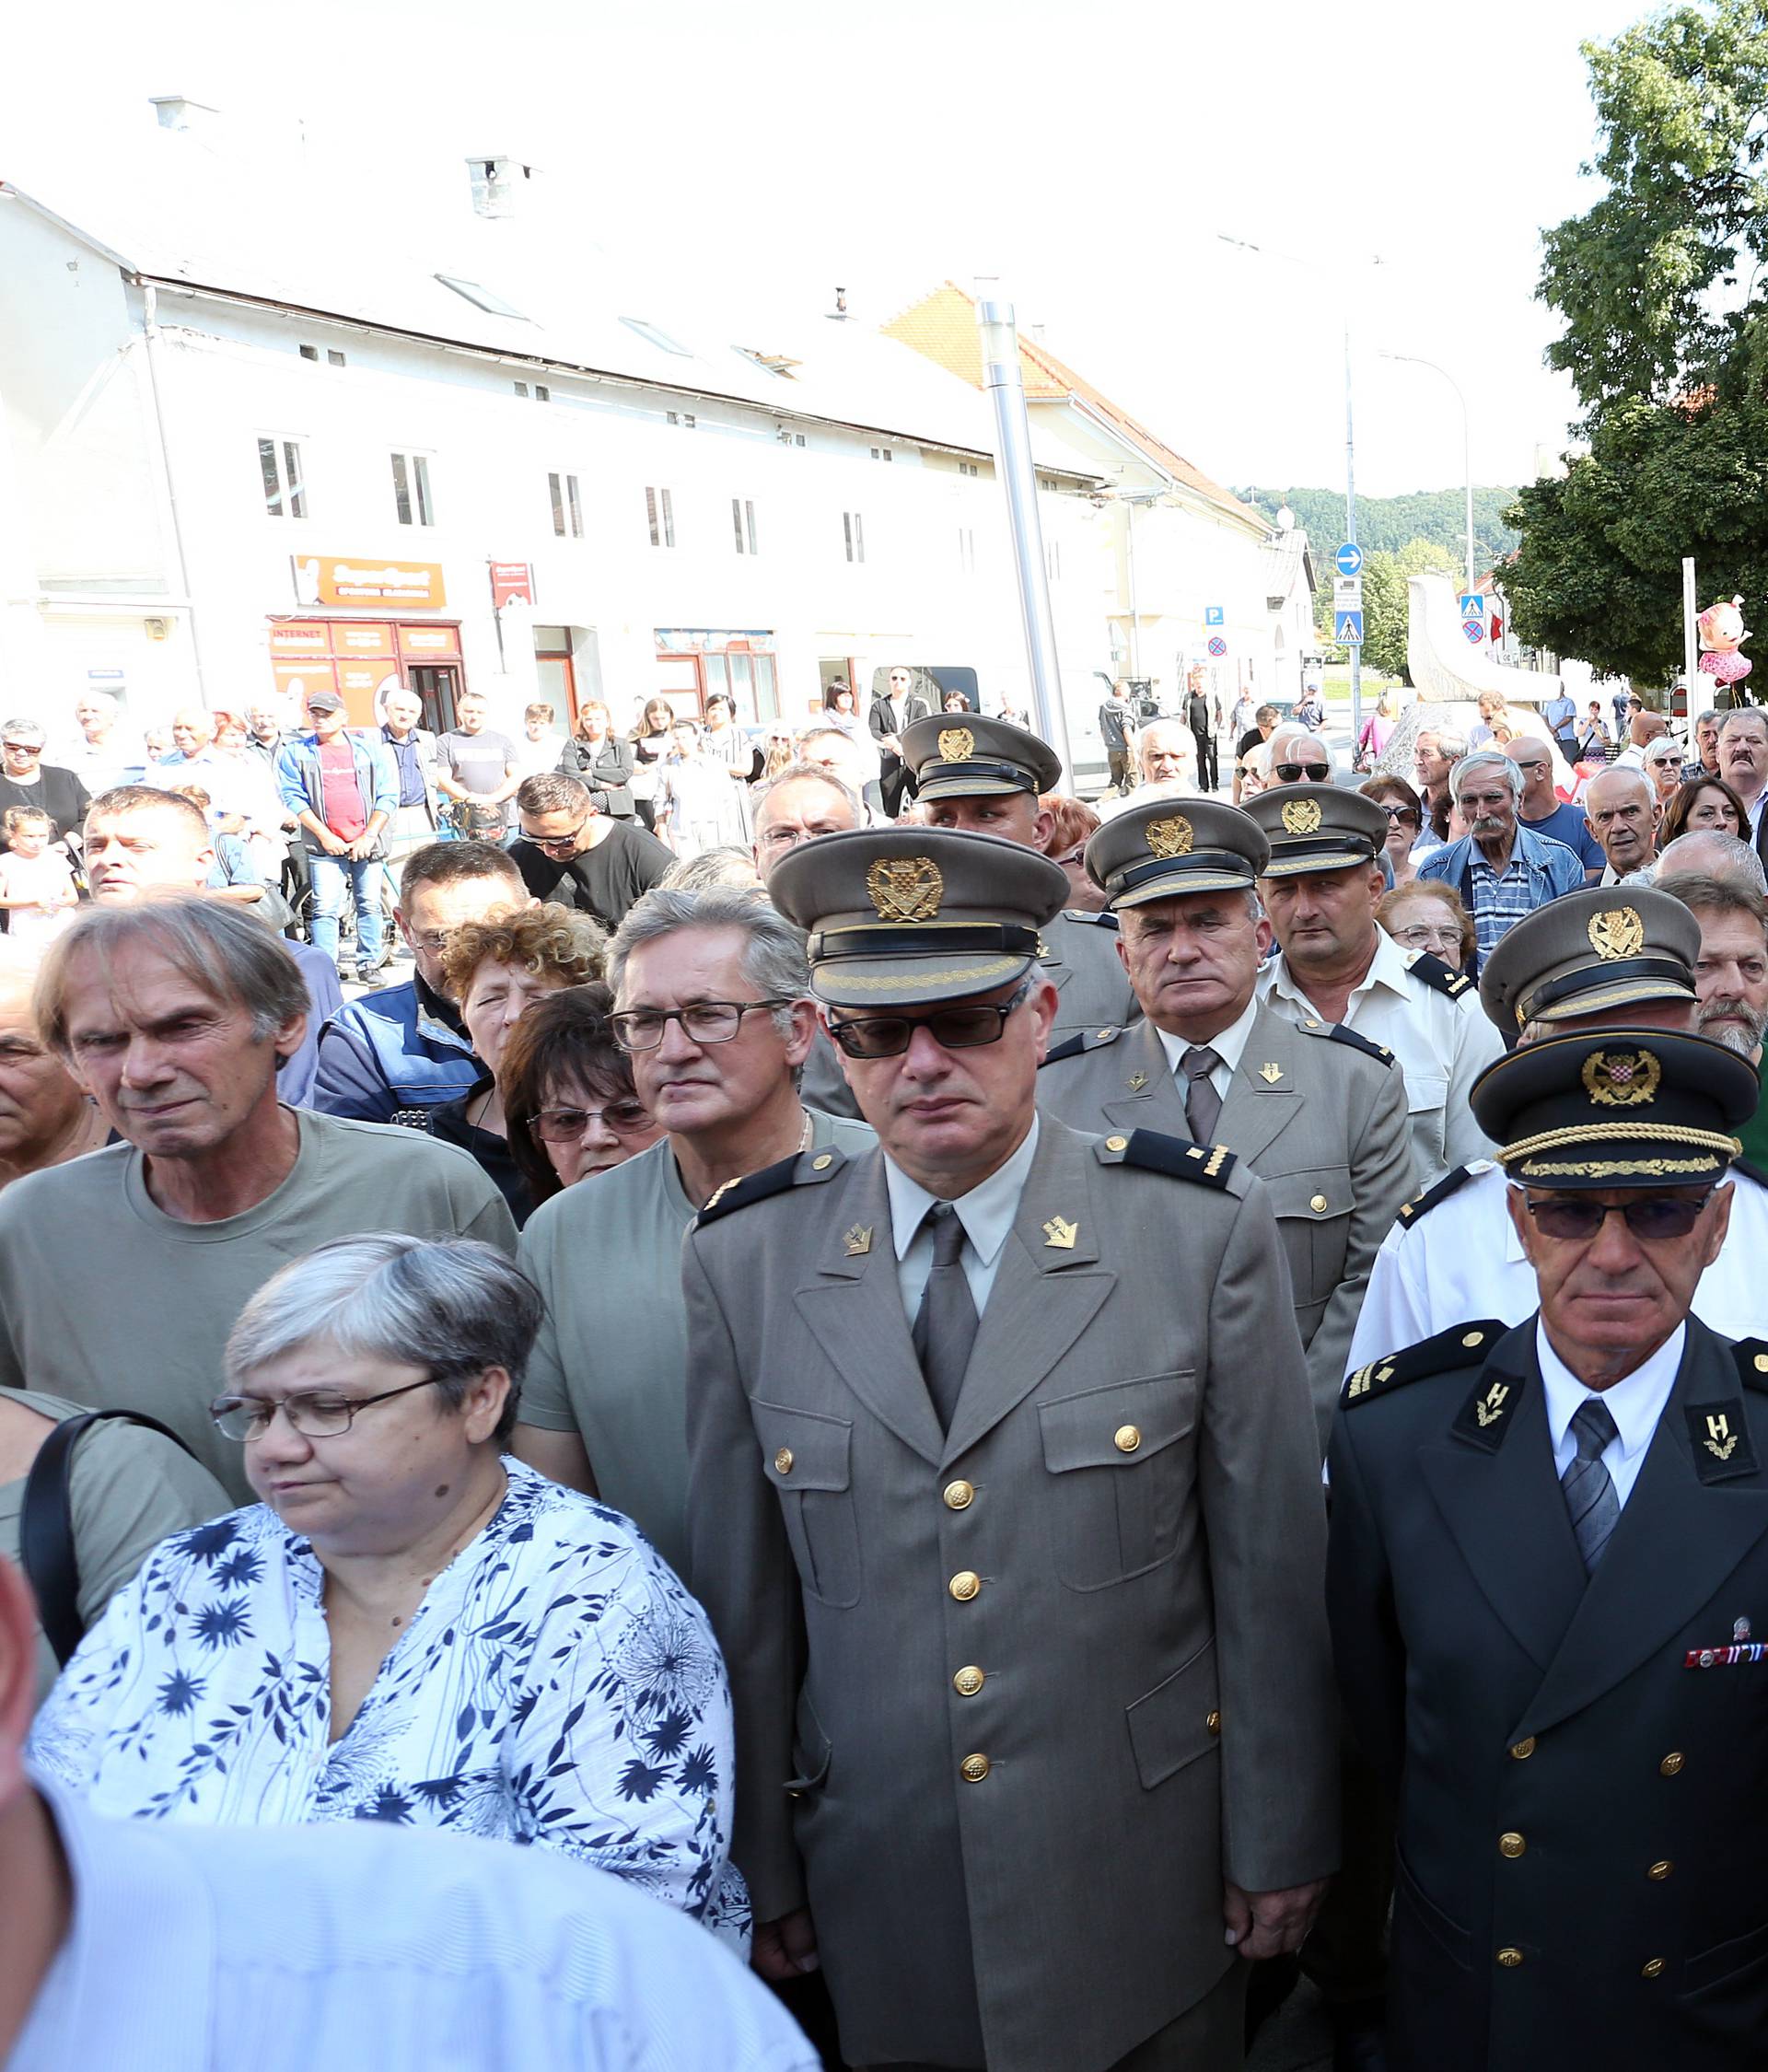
[
  {"x": 174, "y": 1014},
  {"x": 1500, "y": 868},
  {"x": 713, "y": 1005}
]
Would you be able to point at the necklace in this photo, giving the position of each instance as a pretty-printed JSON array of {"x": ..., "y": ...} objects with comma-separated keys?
[{"x": 804, "y": 1139}]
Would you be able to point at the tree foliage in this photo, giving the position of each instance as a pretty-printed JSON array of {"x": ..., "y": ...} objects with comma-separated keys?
[
  {"x": 1385, "y": 602},
  {"x": 1387, "y": 524}
]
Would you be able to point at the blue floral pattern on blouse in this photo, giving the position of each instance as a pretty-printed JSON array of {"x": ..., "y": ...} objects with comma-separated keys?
[{"x": 557, "y": 1685}]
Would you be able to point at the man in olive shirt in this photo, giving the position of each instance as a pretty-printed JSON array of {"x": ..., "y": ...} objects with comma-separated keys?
[
  {"x": 122, "y": 1273},
  {"x": 581, "y": 858},
  {"x": 604, "y": 1404}
]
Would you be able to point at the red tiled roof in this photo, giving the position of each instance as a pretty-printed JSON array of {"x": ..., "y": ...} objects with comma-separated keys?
[{"x": 942, "y": 327}]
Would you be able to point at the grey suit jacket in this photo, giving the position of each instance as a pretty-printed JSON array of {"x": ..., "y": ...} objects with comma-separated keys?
[
  {"x": 1092, "y": 987},
  {"x": 1323, "y": 1125},
  {"x": 1131, "y": 1481}
]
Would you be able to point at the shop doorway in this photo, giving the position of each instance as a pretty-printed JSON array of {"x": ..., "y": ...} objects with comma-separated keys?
[{"x": 439, "y": 684}]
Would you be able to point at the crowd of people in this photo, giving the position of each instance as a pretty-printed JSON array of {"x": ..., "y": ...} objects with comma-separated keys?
[{"x": 1029, "y": 1416}]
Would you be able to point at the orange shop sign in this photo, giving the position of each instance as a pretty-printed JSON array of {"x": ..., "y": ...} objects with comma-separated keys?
[{"x": 330, "y": 579}]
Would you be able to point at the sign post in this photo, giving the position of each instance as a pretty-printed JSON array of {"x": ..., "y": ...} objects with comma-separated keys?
[{"x": 1691, "y": 637}]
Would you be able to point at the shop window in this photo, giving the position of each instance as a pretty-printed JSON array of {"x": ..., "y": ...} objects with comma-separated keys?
[
  {"x": 412, "y": 501},
  {"x": 279, "y": 462}
]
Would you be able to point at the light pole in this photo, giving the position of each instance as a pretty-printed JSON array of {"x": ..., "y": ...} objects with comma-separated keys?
[
  {"x": 1005, "y": 385},
  {"x": 1413, "y": 359}
]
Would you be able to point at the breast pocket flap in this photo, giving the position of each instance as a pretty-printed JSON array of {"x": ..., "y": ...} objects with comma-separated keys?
[
  {"x": 1311, "y": 1197},
  {"x": 801, "y": 1448},
  {"x": 1117, "y": 1426}
]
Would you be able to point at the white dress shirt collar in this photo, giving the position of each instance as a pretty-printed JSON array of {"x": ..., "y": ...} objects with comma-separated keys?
[
  {"x": 1230, "y": 1045},
  {"x": 986, "y": 1211},
  {"x": 1636, "y": 1402},
  {"x": 1387, "y": 969}
]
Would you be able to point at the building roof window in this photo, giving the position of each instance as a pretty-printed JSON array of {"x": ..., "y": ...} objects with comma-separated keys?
[
  {"x": 652, "y": 335},
  {"x": 481, "y": 298}
]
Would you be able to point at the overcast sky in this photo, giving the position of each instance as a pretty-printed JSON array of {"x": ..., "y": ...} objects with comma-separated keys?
[{"x": 1086, "y": 159}]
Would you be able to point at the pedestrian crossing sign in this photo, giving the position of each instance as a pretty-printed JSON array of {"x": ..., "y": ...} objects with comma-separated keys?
[{"x": 1350, "y": 629}]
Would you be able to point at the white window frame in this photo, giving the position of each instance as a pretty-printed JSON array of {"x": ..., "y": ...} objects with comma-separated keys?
[
  {"x": 742, "y": 520},
  {"x": 567, "y": 505},
  {"x": 411, "y": 487},
  {"x": 659, "y": 509},
  {"x": 282, "y": 475},
  {"x": 852, "y": 529}
]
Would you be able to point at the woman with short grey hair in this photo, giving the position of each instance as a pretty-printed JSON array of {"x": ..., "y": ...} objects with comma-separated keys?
[{"x": 410, "y": 1626}]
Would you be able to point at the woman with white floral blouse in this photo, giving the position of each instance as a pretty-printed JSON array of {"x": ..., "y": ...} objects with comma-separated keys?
[{"x": 411, "y": 1626}]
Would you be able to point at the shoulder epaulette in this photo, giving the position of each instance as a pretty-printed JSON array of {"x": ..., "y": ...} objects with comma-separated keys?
[
  {"x": 1087, "y": 1039},
  {"x": 1337, "y": 1032},
  {"x": 1751, "y": 1355},
  {"x": 1420, "y": 1204},
  {"x": 1463, "y": 1345},
  {"x": 1443, "y": 978},
  {"x": 1209, "y": 1163},
  {"x": 1091, "y": 919},
  {"x": 803, "y": 1168}
]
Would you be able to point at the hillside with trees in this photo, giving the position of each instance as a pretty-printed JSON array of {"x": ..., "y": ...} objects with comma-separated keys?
[{"x": 1387, "y": 525}]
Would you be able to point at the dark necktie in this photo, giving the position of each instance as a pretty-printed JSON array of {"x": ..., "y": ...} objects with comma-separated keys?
[
  {"x": 945, "y": 1324},
  {"x": 1589, "y": 1493},
  {"x": 1202, "y": 1103}
]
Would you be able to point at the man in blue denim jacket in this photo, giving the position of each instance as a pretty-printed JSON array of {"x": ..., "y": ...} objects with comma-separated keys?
[
  {"x": 1501, "y": 869},
  {"x": 344, "y": 788}
]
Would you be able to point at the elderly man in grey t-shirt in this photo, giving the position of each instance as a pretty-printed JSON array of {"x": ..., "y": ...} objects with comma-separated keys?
[
  {"x": 714, "y": 1006},
  {"x": 122, "y": 1272}
]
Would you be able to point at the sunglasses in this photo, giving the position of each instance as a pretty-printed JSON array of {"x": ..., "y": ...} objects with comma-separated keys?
[
  {"x": 1657, "y": 1217},
  {"x": 1405, "y": 814},
  {"x": 566, "y": 1125},
  {"x": 953, "y": 1029},
  {"x": 22, "y": 748},
  {"x": 1293, "y": 772}
]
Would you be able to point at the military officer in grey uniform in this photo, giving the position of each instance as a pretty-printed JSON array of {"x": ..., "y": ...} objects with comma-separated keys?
[
  {"x": 1549, "y": 1564},
  {"x": 1005, "y": 1506},
  {"x": 1336, "y": 963},
  {"x": 1318, "y": 1112},
  {"x": 1585, "y": 961},
  {"x": 985, "y": 776}
]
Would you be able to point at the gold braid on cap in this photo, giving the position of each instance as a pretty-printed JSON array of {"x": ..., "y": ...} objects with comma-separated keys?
[{"x": 1601, "y": 1132}]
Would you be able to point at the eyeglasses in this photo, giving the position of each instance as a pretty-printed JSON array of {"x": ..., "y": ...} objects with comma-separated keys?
[
  {"x": 706, "y": 1022},
  {"x": 1424, "y": 938},
  {"x": 966, "y": 1027},
  {"x": 788, "y": 834},
  {"x": 1293, "y": 772},
  {"x": 1402, "y": 813},
  {"x": 551, "y": 843},
  {"x": 312, "y": 1415},
  {"x": 1652, "y": 1220},
  {"x": 566, "y": 1125}
]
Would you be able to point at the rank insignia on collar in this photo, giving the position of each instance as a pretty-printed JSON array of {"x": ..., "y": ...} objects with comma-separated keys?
[
  {"x": 1719, "y": 1435},
  {"x": 1721, "y": 1442},
  {"x": 1136, "y": 1081},
  {"x": 1269, "y": 1073},
  {"x": 1489, "y": 1407},
  {"x": 1059, "y": 1234},
  {"x": 858, "y": 1241}
]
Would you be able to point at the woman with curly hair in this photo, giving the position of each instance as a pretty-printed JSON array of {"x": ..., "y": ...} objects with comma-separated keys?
[{"x": 493, "y": 969}]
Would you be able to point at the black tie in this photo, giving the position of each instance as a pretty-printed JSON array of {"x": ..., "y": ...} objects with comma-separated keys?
[{"x": 945, "y": 1324}]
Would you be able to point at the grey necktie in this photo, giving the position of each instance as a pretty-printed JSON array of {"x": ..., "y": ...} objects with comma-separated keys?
[
  {"x": 1589, "y": 1492},
  {"x": 945, "y": 1324},
  {"x": 1202, "y": 1103}
]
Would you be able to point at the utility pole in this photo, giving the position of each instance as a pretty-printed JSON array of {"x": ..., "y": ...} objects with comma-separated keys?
[
  {"x": 1350, "y": 534},
  {"x": 1005, "y": 385}
]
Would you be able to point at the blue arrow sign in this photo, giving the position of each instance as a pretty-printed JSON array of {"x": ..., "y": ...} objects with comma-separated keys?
[
  {"x": 1472, "y": 605},
  {"x": 1350, "y": 629},
  {"x": 1212, "y": 615},
  {"x": 1350, "y": 559}
]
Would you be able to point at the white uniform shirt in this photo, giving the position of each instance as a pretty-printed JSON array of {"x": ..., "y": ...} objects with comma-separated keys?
[
  {"x": 986, "y": 1213},
  {"x": 1442, "y": 1045},
  {"x": 1636, "y": 1402},
  {"x": 1463, "y": 1260}
]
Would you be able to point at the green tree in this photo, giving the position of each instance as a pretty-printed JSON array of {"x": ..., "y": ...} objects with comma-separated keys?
[
  {"x": 1385, "y": 603},
  {"x": 1384, "y": 524}
]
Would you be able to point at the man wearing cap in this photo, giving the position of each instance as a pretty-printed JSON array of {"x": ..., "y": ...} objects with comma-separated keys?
[
  {"x": 343, "y": 786},
  {"x": 1005, "y": 1502},
  {"x": 984, "y": 776},
  {"x": 1318, "y": 1112},
  {"x": 1337, "y": 964},
  {"x": 1549, "y": 1553},
  {"x": 1589, "y": 961}
]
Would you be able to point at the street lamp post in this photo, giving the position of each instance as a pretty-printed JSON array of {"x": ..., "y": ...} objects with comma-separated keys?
[
  {"x": 1467, "y": 444},
  {"x": 1005, "y": 386}
]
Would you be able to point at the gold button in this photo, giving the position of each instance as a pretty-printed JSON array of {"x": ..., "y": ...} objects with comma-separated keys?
[
  {"x": 1509, "y": 1957},
  {"x": 1117, "y": 1144},
  {"x": 958, "y": 1495},
  {"x": 1672, "y": 1762},
  {"x": 1126, "y": 1439},
  {"x": 1511, "y": 1845},
  {"x": 1761, "y": 1363},
  {"x": 824, "y": 1162},
  {"x": 1654, "y": 1968},
  {"x": 964, "y": 1584},
  {"x": 974, "y": 1768},
  {"x": 1213, "y": 1724},
  {"x": 1310, "y": 1023},
  {"x": 1524, "y": 1749},
  {"x": 1661, "y": 1869},
  {"x": 968, "y": 1681},
  {"x": 1474, "y": 1338},
  {"x": 1104, "y": 1034},
  {"x": 783, "y": 1461},
  {"x": 1318, "y": 1204}
]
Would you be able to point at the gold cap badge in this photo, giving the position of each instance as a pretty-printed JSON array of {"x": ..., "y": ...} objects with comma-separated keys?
[
  {"x": 957, "y": 744},
  {"x": 905, "y": 887},
  {"x": 1170, "y": 837},
  {"x": 1617, "y": 931},
  {"x": 1301, "y": 816},
  {"x": 1621, "y": 1078}
]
